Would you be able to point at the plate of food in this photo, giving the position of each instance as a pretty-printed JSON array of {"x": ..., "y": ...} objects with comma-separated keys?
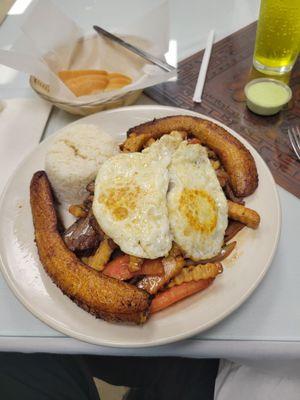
[{"x": 138, "y": 226}]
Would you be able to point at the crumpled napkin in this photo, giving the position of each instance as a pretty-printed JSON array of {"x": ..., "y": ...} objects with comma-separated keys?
[{"x": 22, "y": 122}]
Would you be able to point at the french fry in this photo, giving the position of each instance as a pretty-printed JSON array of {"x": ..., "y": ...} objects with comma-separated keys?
[
  {"x": 243, "y": 214},
  {"x": 196, "y": 273},
  {"x": 102, "y": 255}
]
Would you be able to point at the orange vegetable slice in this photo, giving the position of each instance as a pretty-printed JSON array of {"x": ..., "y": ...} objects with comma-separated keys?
[
  {"x": 119, "y": 268},
  {"x": 176, "y": 293}
]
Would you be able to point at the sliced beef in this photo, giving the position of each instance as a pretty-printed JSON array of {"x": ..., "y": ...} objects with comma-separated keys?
[{"x": 82, "y": 237}]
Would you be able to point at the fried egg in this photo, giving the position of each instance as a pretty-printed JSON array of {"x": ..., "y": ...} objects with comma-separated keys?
[
  {"x": 197, "y": 206},
  {"x": 165, "y": 146},
  {"x": 130, "y": 199}
]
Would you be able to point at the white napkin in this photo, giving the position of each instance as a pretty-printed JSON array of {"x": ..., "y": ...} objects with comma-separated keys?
[{"x": 22, "y": 122}]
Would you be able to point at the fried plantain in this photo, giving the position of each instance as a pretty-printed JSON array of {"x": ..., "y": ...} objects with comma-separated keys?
[
  {"x": 235, "y": 157},
  {"x": 96, "y": 293}
]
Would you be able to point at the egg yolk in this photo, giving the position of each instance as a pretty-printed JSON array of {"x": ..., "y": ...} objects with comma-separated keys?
[
  {"x": 199, "y": 210},
  {"x": 121, "y": 200}
]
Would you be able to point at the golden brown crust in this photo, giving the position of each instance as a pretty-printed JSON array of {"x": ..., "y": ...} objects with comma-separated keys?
[
  {"x": 98, "y": 294},
  {"x": 236, "y": 159},
  {"x": 245, "y": 215}
]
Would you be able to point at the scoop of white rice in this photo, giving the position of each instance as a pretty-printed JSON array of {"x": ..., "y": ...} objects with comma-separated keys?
[{"x": 74, "y": 158}]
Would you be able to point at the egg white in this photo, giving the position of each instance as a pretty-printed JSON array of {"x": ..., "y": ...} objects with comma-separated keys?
[
  {"x": 197, "y": 206},
  {"x": 130, "y": 199},
  {"x": 168, "y": 192}
]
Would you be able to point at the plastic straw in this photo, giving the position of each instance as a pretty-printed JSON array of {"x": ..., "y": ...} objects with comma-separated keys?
[{"x": 203, "y": 69}]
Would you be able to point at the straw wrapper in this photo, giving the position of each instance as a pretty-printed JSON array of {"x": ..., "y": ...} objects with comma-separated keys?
[{"x": 47, "y": 50}]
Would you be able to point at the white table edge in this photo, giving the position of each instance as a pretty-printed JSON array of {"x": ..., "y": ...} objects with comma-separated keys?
[{"x": 192, "y": 348}]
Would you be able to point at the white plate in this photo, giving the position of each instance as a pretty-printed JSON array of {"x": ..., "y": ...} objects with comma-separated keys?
[{"x": 26, "y": 277}]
